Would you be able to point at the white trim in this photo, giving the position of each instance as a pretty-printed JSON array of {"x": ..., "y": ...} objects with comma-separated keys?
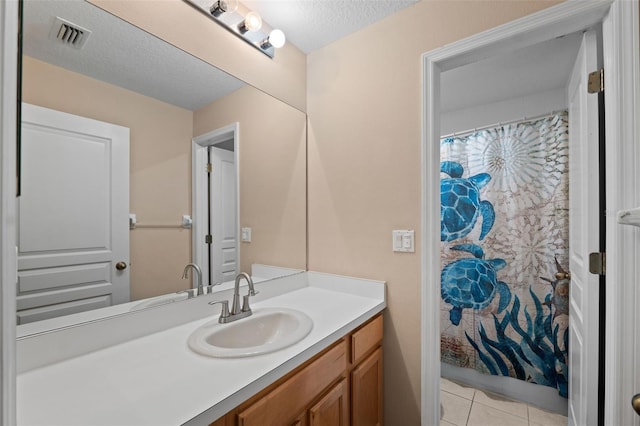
[
  {"x": 199, "y": 146},
  {"x": 8, "y": 258},
  {"x": 620, "y": 20},
  {"x": 430, "y": 285},
  {"x": 622, "y": 100},
  {"x": 565, "y": 18}
]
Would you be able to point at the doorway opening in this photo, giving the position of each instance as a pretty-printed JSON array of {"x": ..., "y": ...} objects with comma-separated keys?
[
  {"x": 215, "y": 203},
  {"x": 507, "y": 141},
  {"x": 557, "y": 21}
]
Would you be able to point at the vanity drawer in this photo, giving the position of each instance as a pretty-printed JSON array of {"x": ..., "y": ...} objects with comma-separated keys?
[
  {"x": 294, "y": 395},
  {"x": 365, "y": 339}
]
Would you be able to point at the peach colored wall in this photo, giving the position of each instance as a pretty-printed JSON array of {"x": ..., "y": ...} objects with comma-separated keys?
[
  {"x": 364, "y": 107},
  {"x": 181, "y": 25},
  {"x": 160, "y": 165},
  {"x": 273, "y": 168}
]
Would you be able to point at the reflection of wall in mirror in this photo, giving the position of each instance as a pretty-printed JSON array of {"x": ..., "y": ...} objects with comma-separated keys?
[
  {"x": 273, "y": 167},
  {"x": 181, "y": 25},
  {"x": 160, "y": 165}
]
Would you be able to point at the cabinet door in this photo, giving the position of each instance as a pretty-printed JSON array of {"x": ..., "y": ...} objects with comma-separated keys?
[
  {"x": 331, "y": 410},
  {"x": 366, "y": 383}
]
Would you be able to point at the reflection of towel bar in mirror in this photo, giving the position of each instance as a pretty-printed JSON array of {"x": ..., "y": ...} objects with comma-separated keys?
[
  {"x": 629, "y": 217},
  {"x": 185, "y": 224}
]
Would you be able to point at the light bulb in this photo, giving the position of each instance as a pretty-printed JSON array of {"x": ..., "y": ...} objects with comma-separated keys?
[
  {"x": 277, "y": 39},
  {"x": 223, "y": 6},
  {"x": 252, "y": 22}
]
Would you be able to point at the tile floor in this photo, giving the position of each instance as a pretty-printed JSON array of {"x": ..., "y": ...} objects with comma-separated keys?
[{"x": 464, "y": 406}]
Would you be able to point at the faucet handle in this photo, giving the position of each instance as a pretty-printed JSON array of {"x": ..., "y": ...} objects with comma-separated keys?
[
  {"x": 245, "y": 301},
  {"x": 245, "y": 304},
  {"x": 224, "y": 313}
]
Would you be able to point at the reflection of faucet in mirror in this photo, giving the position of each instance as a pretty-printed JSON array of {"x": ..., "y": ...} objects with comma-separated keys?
[
  {"x": 185, "y": 275},
  {"x": 178, "y": 113}
]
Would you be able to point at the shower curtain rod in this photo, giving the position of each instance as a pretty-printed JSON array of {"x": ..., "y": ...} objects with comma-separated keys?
[{"x": 502, "y": 123}]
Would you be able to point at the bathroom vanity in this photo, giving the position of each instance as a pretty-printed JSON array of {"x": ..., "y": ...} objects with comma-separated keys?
[
  {"x": 341, "y": 383},
  {"x": 331, "y": 376}
]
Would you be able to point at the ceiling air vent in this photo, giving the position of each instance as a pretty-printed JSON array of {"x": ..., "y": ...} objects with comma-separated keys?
[{"x": 68, "y": 33}]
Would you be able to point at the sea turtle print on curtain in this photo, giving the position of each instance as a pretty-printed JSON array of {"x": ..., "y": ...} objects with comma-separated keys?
[
  {"x": 508, "y": 186},
  {"x": 460, "y": 204},
  {"x": 472, "y": 282}
]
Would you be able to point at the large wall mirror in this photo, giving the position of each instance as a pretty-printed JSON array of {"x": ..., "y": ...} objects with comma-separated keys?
[{"x": 112, "y": 120}]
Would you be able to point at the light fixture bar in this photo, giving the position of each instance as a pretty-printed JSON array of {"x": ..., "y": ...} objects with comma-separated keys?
[{"x": 244, "y": 23}]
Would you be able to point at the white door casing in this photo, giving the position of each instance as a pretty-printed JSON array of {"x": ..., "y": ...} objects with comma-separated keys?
[
  {"x": 8, "y": 150},
  {"x": 584, "y": 237},
  {"x": 72, "y": 214},
  {"x": 621, "y": 44},
  {"x": 620, "y": 21},
  {"x": 224, "y": 218}
]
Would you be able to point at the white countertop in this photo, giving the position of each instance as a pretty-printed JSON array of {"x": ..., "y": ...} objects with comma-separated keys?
[{"x": 158, "y": 380}]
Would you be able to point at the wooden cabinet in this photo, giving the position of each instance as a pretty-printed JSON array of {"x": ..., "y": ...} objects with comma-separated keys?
[
  {"x": 366, "y": 374},
  {"x": 341, "y": 386},
  {"x": 366, "y": 386},
  {"x": 331, "y": 410},
  {"x": 281, "y": 405},
  {"x": 301, "y": 420},
  {"x": 366, "y": 338}
]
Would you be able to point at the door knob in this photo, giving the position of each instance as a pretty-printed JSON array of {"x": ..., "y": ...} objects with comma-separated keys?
[
  {"x": 635, "y": 403},
  {"x": 121, "y": 266}
]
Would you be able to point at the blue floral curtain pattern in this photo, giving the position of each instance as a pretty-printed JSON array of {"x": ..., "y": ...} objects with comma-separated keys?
[{"x": 504, "y": 251}]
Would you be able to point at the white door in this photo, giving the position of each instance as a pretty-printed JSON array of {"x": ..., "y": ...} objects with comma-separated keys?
[
  {"x": 583, "y": 238},
  {"x": 73, "y": 215},
  {"x": 224, "y": 226}
]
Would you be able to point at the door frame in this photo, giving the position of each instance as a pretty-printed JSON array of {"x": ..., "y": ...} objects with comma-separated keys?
[
  {"x": 620, "y": 20},
  {"x": 199, "y": 147},
  {"x": 8, "y": 249}
]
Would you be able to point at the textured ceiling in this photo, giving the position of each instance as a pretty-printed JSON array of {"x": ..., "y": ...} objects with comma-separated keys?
[
  {"x": 121, "y": 54},
  {"x": 312, "y": 24}
]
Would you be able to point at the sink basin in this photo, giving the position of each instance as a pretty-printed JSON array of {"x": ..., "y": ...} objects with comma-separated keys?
[{"x": 266, "y": 330}]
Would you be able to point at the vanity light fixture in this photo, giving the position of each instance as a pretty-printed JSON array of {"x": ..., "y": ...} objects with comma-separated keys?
[
  {"x": 251, "y": 22},
  {"x": 276, "y": 39},
  {"x": 244, "y": 23},
  {"x": 223, "y": 6}
]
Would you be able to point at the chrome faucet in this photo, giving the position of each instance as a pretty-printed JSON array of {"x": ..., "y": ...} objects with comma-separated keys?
[
  {"x": 237, "y": 312},
  {"x": 185, "y": 275},
  {"x": 235, "y": 305}
]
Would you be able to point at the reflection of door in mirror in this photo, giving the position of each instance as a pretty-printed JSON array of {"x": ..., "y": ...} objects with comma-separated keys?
[
  {"x": 164, "y": 96},
  {"x": 216, "y": 211},
  {"x": 223, "y": 216},
  {"x": 72, "y": 217}
]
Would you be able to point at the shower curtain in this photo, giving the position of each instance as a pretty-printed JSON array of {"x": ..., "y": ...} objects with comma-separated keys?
[{"x": 504, "y": 250}]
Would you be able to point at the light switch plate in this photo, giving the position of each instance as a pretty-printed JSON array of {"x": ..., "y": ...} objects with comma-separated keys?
[
  {"x": 245, "y": 234},
  {"x": 403, "y": 241}
]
